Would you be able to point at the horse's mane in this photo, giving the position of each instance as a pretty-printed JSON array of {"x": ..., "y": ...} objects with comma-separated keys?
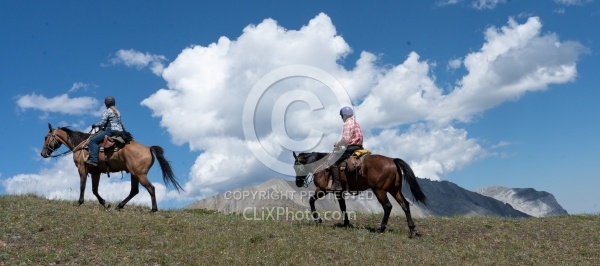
[
  {"x": 75, "y": 136},
  {"x": 312, "y": 157}
]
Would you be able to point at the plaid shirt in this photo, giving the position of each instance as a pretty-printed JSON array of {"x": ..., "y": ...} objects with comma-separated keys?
[{"x": 351, "y": 133}]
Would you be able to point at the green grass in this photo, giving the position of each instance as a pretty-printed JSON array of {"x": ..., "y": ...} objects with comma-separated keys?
[{"x": 37, "y": 231}]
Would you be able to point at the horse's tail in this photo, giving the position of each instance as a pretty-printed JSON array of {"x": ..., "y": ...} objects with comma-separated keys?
[
  {"x": 165, "y": 166},
  {"x": 407, "y": 173}
]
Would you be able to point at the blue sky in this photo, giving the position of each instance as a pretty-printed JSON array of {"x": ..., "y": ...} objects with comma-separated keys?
[{"x": 479, "y": 93}]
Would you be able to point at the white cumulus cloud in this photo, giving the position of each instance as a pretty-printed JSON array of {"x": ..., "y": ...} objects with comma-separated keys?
[
  {"x": 403, "y": 112},
  {"x": 58, "y": 104},
  {"x": 207, "y": 87},
  {"x": 139, "y": 60},
  {"x": 60, "y": 180}
]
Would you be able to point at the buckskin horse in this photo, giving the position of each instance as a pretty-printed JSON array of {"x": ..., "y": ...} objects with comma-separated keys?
[
  {"x": 133, "y": 158},
  {"x": 379, "y": 173}
]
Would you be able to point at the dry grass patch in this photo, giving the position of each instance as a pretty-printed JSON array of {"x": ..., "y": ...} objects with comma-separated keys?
[{"x": 37, "y": 231}]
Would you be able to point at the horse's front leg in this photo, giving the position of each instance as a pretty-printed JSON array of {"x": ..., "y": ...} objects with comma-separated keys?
[
  {"x": 95, "y": 184},
  {"x": 342, "y": 201},
  {"x": 82, "y": 180},
  {"x": 318, "y": 194}
]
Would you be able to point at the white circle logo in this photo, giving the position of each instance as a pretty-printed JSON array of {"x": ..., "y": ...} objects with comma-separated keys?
[{"x": 279, "y": 109}]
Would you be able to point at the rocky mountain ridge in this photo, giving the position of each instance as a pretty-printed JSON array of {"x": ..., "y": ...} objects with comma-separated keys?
[
  {"x": 527, "y": 200},
  {"x": 444, "y": 199}
]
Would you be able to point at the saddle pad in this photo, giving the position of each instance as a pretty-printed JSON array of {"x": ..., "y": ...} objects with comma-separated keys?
[{"x": 361, "y": 152}]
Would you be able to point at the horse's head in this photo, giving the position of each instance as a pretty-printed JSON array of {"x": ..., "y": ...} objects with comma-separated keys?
[
  {"x": 300, "y": 162},
  {"x": 51, "y": 143},
  {"x": 307, "y": 163}
]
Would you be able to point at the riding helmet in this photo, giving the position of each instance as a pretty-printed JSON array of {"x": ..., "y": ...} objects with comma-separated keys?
[
  {"x": 109, "y": 101},
  {"x": 347, "y": 111}
]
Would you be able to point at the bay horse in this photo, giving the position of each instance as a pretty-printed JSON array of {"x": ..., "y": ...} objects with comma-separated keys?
[
  {"x": 379, "y": 173},
  {"x": 133, "y": 158}
]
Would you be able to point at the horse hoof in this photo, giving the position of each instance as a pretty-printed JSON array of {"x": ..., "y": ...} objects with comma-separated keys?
[
  {"x": 153, "y": 210},
  {"x": 414, "y": 234},
  {"x": 381, "y": 229}
]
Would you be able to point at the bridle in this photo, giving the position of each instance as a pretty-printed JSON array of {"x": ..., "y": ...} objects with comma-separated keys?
[
  {"x": 55, "y": 140},
  {"x": 300, "y": 168},
  {"x": 309, "y": 177}
]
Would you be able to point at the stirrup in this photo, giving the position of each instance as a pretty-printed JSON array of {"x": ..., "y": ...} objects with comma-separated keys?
[{"x": 336, "y": 187}]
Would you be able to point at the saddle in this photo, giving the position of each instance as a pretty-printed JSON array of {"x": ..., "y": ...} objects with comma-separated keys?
[
  {"x": 351, "y": 166},
  {"x": 112, "y": 142},
  {"x": 110, "y": 145},
  {"x": 354, "y": 162},
  {"x": 116, "y": 142}
]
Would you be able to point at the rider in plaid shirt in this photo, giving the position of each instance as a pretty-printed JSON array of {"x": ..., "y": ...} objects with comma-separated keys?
[
  {"x": 351, "y": 133},
  {"x": 352, "y": 140},
  {"x": 110, "y": 125}
]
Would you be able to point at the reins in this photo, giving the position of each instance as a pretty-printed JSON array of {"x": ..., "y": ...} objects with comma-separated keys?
[
  {"x": 310, "y": 177},
  {"x": 61, "y": 154},
  {"x": 76, "y": 148}
]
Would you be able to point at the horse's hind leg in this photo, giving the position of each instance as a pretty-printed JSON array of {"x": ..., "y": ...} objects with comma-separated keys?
[
  {"x": 406, "y": 208},
  {"x": 143, "y": 179},
  {"x": 134, "y": 191},
  {"x": 95, "y": 184}
]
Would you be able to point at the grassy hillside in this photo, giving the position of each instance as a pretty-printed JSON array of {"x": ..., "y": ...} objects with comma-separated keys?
[{"x": 37, "y": 231}]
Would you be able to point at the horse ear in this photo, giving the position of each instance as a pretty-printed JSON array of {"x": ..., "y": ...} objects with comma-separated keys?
[
  {"x": 294, "y": 153},
  {"x": 50, "y": 127}
]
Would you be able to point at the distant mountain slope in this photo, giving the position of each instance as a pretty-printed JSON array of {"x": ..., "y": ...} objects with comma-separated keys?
[
  {"x": 444, "y": 199},
  {"x": 448, "y": 199},
  {"x": 527, "y": 200}
]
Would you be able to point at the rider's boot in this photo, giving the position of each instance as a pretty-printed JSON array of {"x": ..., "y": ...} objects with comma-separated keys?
[
  {"x": 335, "y": 174},
  {"x": 92, "y": 163}
]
